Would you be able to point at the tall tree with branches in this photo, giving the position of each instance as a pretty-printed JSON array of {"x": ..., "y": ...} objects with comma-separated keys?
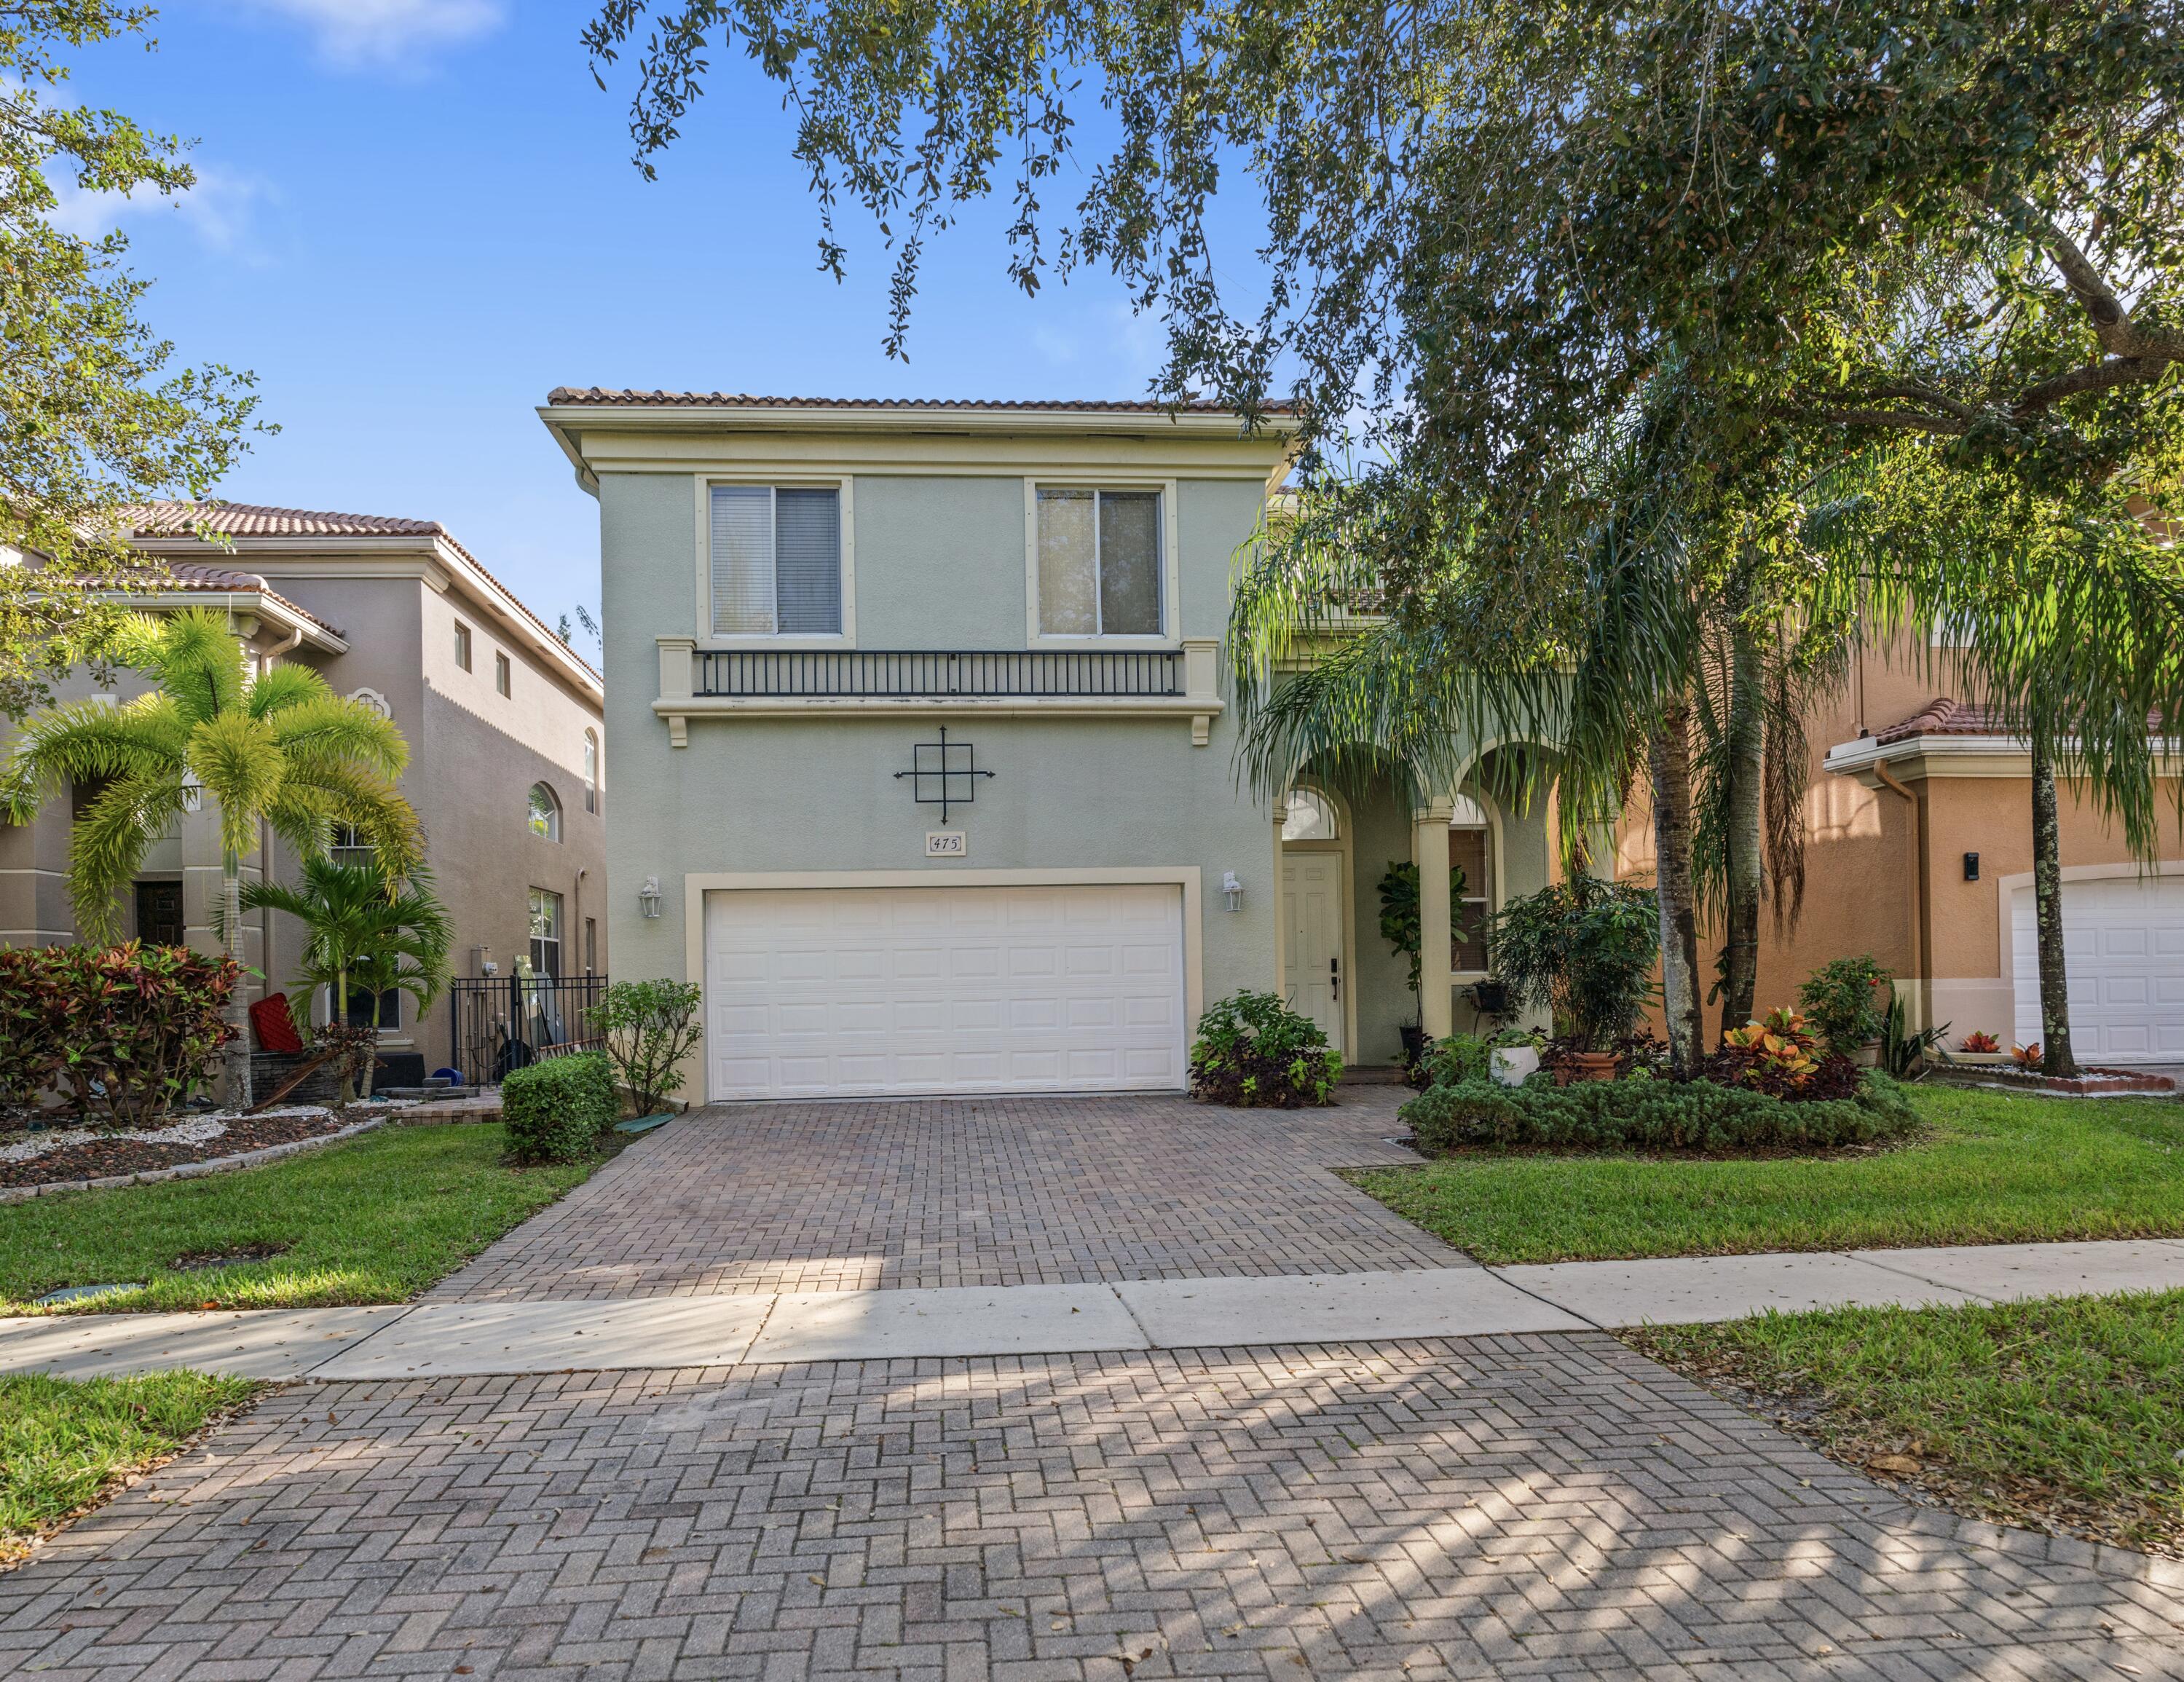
[
  {"x": 278, "y": 749},
  {"x": 97, "y": 419},
  {"x": 1495, "y": 229}
]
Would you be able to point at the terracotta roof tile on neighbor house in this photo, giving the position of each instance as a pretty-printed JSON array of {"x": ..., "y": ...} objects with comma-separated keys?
[
  {"x": 603, "y": 396},
  {"x": 1944, "y": 716},
  {"x": 256, "y": 520},
  {"x": 253, "y": 520}
]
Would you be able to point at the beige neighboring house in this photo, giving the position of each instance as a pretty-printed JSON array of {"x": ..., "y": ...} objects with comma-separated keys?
[{"x": 504, "y": 722}]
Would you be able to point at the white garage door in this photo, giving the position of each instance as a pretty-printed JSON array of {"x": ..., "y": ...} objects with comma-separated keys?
[
  {"x": 849, "y": 991},
  {"x": 2123, "y": 941}
]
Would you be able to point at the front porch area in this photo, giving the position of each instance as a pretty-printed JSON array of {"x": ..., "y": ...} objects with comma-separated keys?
[{"x": 1337, "y": 837}]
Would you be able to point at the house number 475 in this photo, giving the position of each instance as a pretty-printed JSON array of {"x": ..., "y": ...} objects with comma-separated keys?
[{"x": 947, "y": 843}]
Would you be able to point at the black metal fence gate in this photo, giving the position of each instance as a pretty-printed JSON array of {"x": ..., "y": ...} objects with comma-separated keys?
[{"x": 504, "y": 1022}]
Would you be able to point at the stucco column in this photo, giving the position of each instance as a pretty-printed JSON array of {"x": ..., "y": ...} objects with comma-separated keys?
[{"x": 1429, "y": 852}]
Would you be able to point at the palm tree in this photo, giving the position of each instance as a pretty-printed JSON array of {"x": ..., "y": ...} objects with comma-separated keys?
[
  {"x": 274, "y": 748},
  {"x": 357, "y": 934},
  {"x": 1616, "y": 640},
  {"x": 2065, "y": 618}
]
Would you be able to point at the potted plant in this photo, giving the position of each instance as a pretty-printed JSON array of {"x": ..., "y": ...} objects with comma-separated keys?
[
  {"x": 1843, "y": 1001},
  {"x": 1584, "y": 949},
  {"x": 1399, "y": 927}
]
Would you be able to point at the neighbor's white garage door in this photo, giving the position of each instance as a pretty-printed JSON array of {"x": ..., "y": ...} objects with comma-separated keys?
[
  {"x": 848, "y": 991},
  {"x": 2123, "y": 940}
]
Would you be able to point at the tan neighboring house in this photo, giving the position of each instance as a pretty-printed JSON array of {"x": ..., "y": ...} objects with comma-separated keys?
[
  {"x": 504, "y": 722},
  {"x": 1919, "y": 850}
]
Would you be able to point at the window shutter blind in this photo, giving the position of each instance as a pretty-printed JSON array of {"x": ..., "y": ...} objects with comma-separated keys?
[
  {"x": 743, "y": 560},
  {"x": 807, "y": 561},
  {"x": 1130, "y": 563},
  {"x": 1068, "y": 565}
]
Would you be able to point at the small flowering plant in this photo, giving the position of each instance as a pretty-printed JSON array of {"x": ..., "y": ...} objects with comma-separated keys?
[
  {"x": 2026, "y": 1056},
  {"x": 1981, "y": 1041}
]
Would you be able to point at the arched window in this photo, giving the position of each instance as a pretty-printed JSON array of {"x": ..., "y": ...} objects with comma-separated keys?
[
  {"x": 545, "y": 812},
  {"x": 591, "y": 770},
  {"x": 1311, "y": 817}
]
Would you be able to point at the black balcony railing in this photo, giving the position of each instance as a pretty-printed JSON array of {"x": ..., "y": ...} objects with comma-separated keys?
[
  {"x": 505, "y": 1022},
  {"x": 905, "y": 676}
]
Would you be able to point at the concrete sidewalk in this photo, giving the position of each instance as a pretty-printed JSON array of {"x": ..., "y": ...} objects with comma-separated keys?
[{"x": 429, "y": 1339}]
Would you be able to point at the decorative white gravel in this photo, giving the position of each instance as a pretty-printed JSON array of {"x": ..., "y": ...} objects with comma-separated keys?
[{"x": 195, "y": 1130}]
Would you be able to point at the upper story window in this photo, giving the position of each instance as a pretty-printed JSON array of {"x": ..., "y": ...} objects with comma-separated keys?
[
  {"x": 545, "y": 812},
  {"x": 503, "y": 674},
  {"x": 591, "y": 770},
  {"x": 462, "y": 645},
  {"x": 1098, "y": 562},
  {"x": 777, "y": 561}
]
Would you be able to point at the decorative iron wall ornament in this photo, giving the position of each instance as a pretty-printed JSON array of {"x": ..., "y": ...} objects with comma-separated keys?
[{"x": 942, "y": 773}]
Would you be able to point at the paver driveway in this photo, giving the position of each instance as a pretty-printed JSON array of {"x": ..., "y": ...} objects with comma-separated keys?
[
  {"x": 1516, "y": 1506},
  {"x": 988, "y": 1191}
]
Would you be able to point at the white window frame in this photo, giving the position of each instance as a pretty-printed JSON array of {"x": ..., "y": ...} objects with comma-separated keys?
[
  {"x": 1170, "y": 635},
  {"x": 710, "y": 638}
]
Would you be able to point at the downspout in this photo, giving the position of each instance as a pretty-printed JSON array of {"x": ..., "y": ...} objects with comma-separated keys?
[{"x": 1917, "y": 891}]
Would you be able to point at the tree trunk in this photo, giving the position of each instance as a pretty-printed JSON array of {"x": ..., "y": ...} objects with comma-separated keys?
[
  {"x": 346, "y": 1093},
  {"x": 371, "y": 1063},
  {"x": 1746, "y": 776},
  {"x": 1671, "y": 757},
  {"x": 237, "y": 1058},
  {"x": 2055, "y": 1058}
]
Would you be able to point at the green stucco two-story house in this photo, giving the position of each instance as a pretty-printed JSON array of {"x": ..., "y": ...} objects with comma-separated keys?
[{"x": 926, "y": 769}]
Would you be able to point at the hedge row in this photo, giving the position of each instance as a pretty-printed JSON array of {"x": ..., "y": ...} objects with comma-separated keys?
[
  {"x": 1652, "y": 1115},
  {"x": 559, "y": 1110}
]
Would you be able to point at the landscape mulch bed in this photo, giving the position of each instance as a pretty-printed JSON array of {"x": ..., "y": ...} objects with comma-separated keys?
[{"x": 99, "y": 1158}]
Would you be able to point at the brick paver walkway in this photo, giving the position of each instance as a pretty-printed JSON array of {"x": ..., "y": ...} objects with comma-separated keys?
[
  {"x": 1536, "y": 1507},
  {"x": 988, "y": 1191}
]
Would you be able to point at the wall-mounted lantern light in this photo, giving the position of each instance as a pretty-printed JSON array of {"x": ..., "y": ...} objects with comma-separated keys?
[
  {"x": 1971, "y": 866},
  {"x": 1232, "y": 890},
  {"x": 647, "y": 897}
]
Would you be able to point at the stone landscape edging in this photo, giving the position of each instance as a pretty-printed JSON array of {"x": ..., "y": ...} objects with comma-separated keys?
[{"x": 190, "y": 1171}]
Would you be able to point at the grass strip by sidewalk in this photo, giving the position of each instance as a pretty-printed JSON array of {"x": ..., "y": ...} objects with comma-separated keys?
[
  {"x": 2065, "y": 1415},
  {"x": 65, "y": 1444},
  {"x": 1992, "y": 1168},
  {"x": 375, "y": 1220}
]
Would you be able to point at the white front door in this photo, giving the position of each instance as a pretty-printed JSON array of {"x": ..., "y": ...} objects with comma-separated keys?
[
  {"x": 1311, "y": 952},
  {"x": 875, "y": 991},
  {"x": 2123, "y": 945}
]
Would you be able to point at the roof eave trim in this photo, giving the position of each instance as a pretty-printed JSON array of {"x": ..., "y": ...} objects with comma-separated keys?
[
  {"x": 265, "y": 604},
  {"x": 562, "y": 418}
]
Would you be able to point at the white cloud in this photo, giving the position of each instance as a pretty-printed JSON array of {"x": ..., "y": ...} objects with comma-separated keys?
[
  {"x": 219, "y": 210},
  {"x": 387, "y": 33}
]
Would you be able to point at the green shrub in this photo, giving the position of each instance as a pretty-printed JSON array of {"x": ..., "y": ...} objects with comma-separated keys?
[
  {"x": 1470, "y": 1057},
  {"x": 1252, "y": 1049},
  {"x": 124, "y": 1031},
  {"x": 557, "y": 1111},
  {"x": 1651, "y": 1114},
  {"x": 650, "y": 1026},
  {"x": 1586, "y": 949},
  {"x": 1842, "y": 1000}
]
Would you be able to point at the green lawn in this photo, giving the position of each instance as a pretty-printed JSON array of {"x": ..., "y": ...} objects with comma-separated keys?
[
  {"x": 63, "y": 1442},
  {"x": 1994, "y": 1168},
  {"x": 2066, "y": 1414},
  {"x": 375, "y": 1220}
]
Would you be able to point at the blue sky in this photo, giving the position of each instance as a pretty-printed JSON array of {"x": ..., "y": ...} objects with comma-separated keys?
[{"x": 418, "y": 216}]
